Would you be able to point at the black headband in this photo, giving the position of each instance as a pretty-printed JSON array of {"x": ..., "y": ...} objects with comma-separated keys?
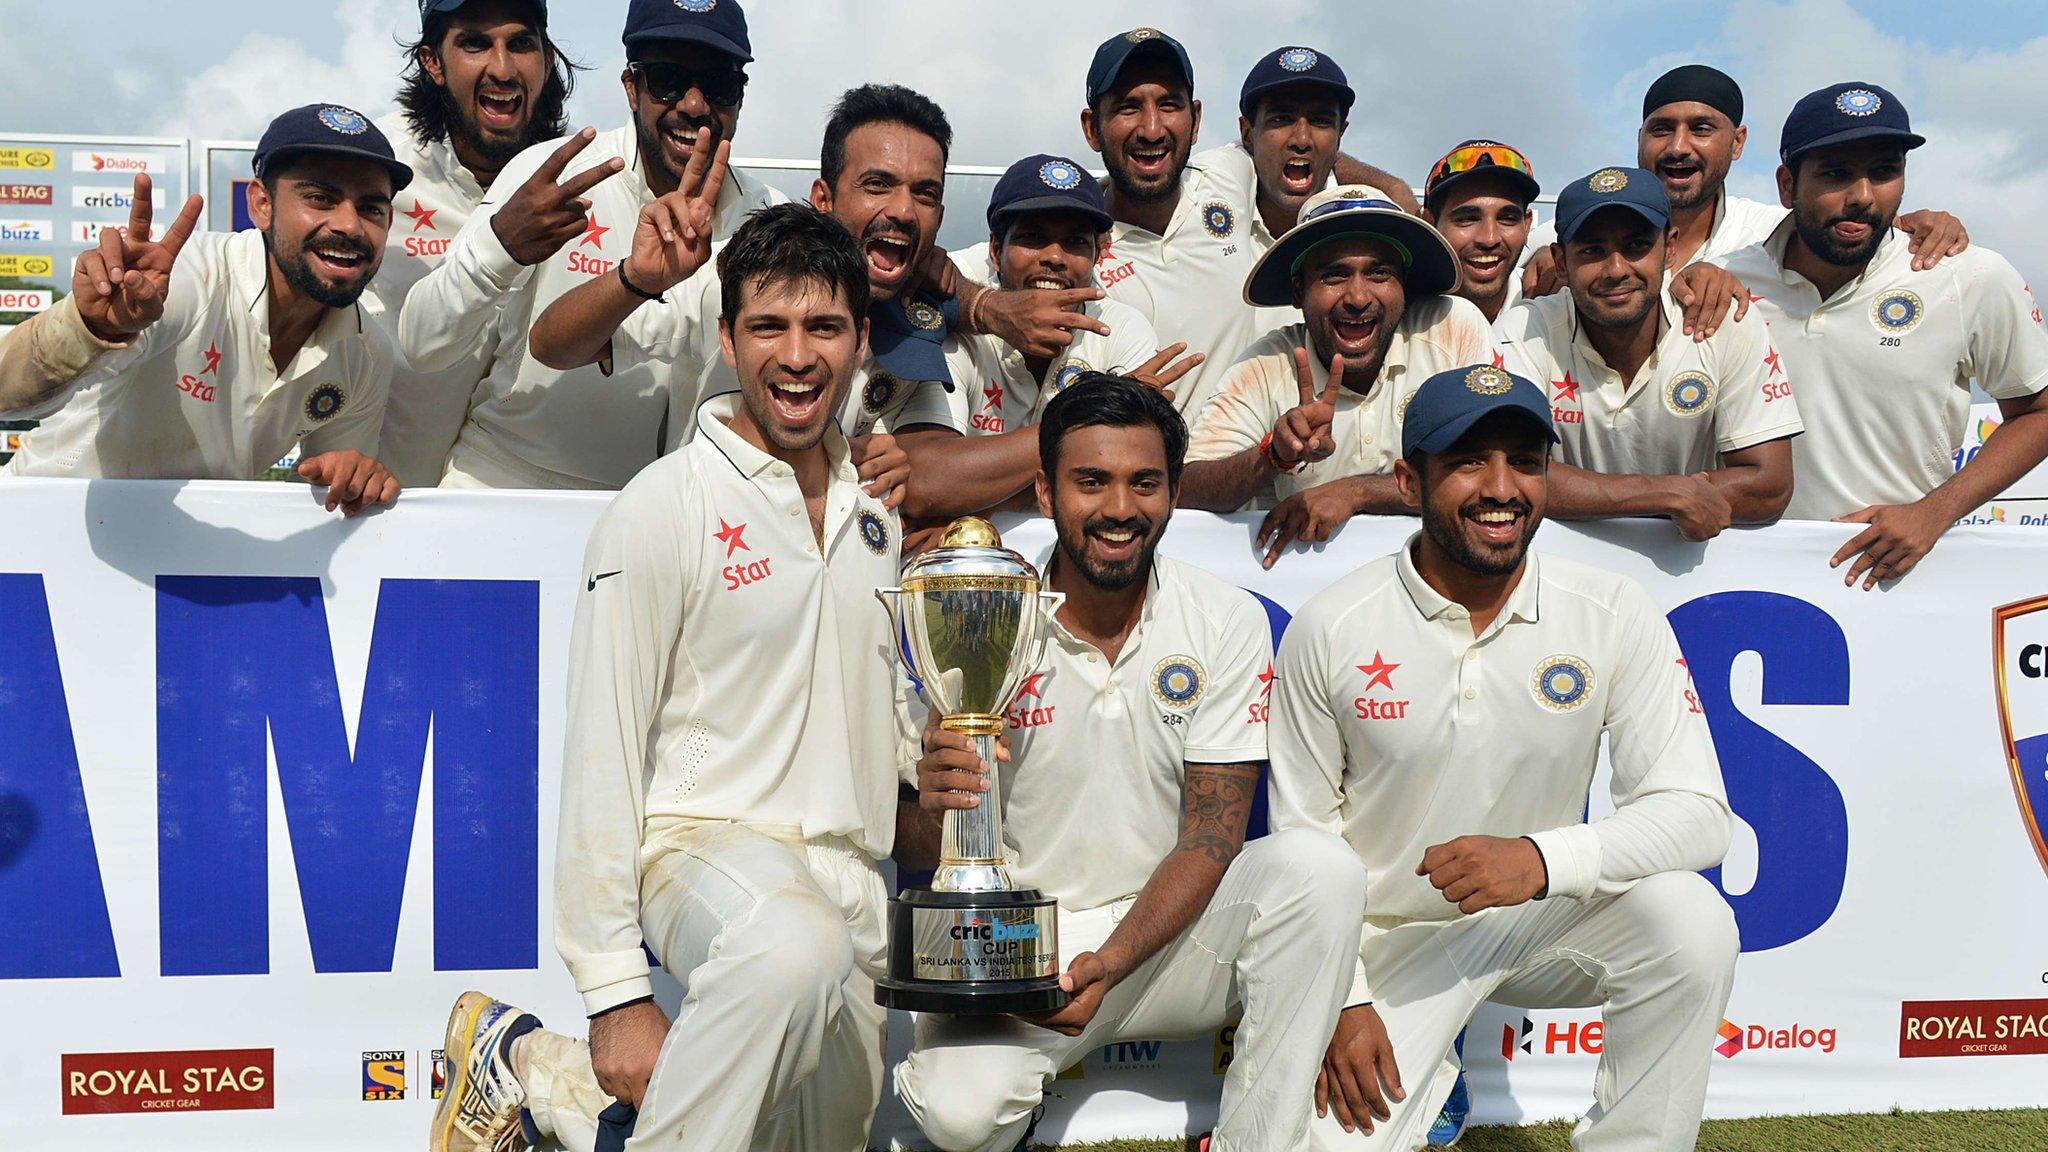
[{"x": 1696, "y": 83}]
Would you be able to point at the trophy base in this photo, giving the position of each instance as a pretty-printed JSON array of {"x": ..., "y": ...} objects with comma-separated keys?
[{"x": 972, "y": 953}]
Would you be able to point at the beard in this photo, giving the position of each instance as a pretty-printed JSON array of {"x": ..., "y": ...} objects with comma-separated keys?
[
  {"x": 298, "y": 269},
  {"x": 1110, "y": 576},
  {"x": 1446, "y": 530},
  {"x": 1128, "y": 187},
  {"x": 1712, "y": 177},
  {"x": 651, "y": 150},
  {"x": 1814, "y": 232},
  {"x": 494, "y": 151}
]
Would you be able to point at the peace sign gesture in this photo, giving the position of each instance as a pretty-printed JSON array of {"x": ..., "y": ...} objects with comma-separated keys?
[
  {"x": 121, "y": 285},
  {"x": 535, "y": 221},
  {"x": 1303, "y": 433},
  {"x": 673, "y": 236},
  {"x": 1162, "y": 371}
]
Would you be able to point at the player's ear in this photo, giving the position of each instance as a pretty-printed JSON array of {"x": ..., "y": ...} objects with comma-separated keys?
[
  {"x": 1042, "y": 488},
  {"x": 1741, "y": 138},
  {"x": 1786, "y": 185},
  {"x": 731, "y": 354},
  {"x": 1244, "y": 132},
  {"x": 260, "y": 208},
  {"x": 821, "y": 195},
  {"x": 429, "y": 59},
  {"x": 1195, "y": 131},
  {"x": 1088, "y": 129},
  {"x": 1408, "y": 482}
]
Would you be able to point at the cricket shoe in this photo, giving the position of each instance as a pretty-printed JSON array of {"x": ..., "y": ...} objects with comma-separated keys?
[{"x": 481, "y": 1108}]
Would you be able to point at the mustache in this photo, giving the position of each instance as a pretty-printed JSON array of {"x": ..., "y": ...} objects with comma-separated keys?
[
  {"x": 1488, "y": 504},
  {"x": 1136, "y": 525},
  {"x": 1865, "y": 216},
  {"x": 686, "y": 124},
  {"x": 882, "y": 226},
  {"x": 336, "y": 240}
]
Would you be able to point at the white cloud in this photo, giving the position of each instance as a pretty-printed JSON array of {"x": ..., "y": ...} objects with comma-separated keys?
[{"x": 265, "y": 74}]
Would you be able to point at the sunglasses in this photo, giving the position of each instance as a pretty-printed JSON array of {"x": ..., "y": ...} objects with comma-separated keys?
[
  {"x": 1471, "y": 157},
  {"x": 666, "y": 83}
]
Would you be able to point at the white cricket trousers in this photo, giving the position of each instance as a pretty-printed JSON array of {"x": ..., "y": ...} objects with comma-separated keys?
[
  {"x": 1276, "y": 941},
  {"x": 1659, "y": 960},
  {"x": 778, "y": 1045}
]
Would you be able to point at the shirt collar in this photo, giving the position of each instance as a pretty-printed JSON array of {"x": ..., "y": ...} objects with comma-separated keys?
[
  {"x": 248, "y": 261},
  {"x": 439, "y": 158},
  {"x": 1153, "y": 582},
  {"x": 750, "y": 461},
  {"x": 1521, "y": 605},
  {"x": 1781, "y": 239}
]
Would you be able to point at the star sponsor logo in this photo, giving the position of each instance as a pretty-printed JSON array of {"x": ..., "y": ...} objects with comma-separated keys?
[
  {"x": 733, "y": 536},
  {"x": 738, "y": 576},
  {"x": 211, "y": 1080},
  {"x": 1379, "y": 674},
  {"x": 1260, "y": 710},
  {"x": 1561, "y": 683},
  {"x": 992, "y": 396},
  {"x": 203, "y": 390},
  {"x": 1562, "y": 392},
  {"x": 384, "y": 1075},
  {"x": 421, "y": 216},
  {"x": 1027, "y": 715},
  {"x": 593, "y": 233},
  {"x": 1775, "y": 386},
  {"x": 1933, "y": 1028}
]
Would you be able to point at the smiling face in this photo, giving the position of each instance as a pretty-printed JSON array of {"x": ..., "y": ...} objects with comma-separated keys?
[
  {"x": 1844, "y": 198},
  {"x": 1293, "y": 140},
  {"x": 1482, "y": 498},
  {"x": 324, "y": 219},
  {"x": 491, "y": 65},
  {"x": 1109, "y": 501},
  {"x": 1350, "y": 292},
  {"x": 1487, "y": 223},
  {"x": 1690, "y": 147},
  {"x": 891, "y": 196},
  {"x": 669, "y": 104},
  {"x": 1052, "y": 249},
  {"x": 1145, "y": 128},
  {"x": 794, "y": 345},
  {"x": 1614, "y": 264}
]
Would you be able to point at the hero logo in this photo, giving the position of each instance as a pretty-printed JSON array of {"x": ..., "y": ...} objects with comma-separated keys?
[
  {"x": 1569, "y": 1037},
  {"x": 1734, "y": 1039},
  {"x": 25, "y": 299}
]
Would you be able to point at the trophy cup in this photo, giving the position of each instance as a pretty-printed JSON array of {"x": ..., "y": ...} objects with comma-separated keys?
[{"x": 973, "y": 623}]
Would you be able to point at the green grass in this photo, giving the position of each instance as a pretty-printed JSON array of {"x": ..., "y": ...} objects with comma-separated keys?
[{"x": 2013, "y": 1131}]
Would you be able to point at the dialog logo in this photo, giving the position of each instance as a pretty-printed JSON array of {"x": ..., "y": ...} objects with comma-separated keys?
[
  {"x": 149, "y": 162},
  {"x": 1732, "y": 1039},
  {"x": 1973, "y": 1028},
  {"x": 2019, "y": 651},
  {"x": 216, "y": 1080},
  {"x": 384, "y": 1075}
]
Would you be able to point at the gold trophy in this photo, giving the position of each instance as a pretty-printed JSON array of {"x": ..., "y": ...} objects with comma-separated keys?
[{"x": 973, "y": 619}]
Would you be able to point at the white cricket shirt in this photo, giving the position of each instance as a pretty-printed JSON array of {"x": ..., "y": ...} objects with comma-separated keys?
[
  {"x": 1435, "y": 334},
  {"x": 720, "y": 668},
  {"x": 994, "y": 390},
  {"x": 1738, "y": 223},
  {"x": 1691, "y": 400},
  {"x": 1884, "y": 365},
  {"x": 575, "y": 429},
  {"x": 195, "y": 395}
]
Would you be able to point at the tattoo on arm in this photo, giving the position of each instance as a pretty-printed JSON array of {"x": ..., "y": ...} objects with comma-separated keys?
[{"x": 1216, "y": 804}]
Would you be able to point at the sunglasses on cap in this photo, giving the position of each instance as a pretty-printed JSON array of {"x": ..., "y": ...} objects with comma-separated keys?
[
  {"x": 666, "y": 82},
  {"x": 1472, "y": 157}
]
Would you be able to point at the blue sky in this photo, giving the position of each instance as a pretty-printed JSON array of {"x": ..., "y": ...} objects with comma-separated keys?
[{"x": 1561, "y": 80}]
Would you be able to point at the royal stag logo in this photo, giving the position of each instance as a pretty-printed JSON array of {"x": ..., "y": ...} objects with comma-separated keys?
[{"x": 2019, "y": 644}]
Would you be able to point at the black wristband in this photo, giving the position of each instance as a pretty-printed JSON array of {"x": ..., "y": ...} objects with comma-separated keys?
[
  {"x": 627, "y": 1004},
  {"x": 635, "y": 289}
]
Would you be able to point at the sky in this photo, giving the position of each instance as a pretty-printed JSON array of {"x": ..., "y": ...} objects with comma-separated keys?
[{"x": 1561, "y": 80}]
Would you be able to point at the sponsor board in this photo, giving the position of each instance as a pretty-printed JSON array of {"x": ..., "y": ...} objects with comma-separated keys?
[
  {"x": 2019, "y": 648},
  {"x": 88, "y": 231},
  {"x": 26, "y": 231},
  {"x": 92, "y": 160},
  {"x": 34, "y": 159},
  {"x": 17, "y": 264},
  {"x": 111, "y": 196},
  {"x": 26, "y": 299},
  {"x": 41, "y": 195},
  {"x": 1732, "y": 1039},
  {"x": 1224, "y": 1050},
  {"x": 384, "y": 1075},
  {"x": 215, "y": 1080},
  {"x": 1973, "y": 1028}
]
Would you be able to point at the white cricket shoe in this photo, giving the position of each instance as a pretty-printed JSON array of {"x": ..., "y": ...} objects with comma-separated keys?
[{"x": 479, "y": 1110}]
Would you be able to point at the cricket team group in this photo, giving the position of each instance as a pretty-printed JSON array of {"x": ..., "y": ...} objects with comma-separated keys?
[{"x": 792, "y": 398}]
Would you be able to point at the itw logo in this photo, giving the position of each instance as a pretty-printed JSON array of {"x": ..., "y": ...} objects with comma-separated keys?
[{"x": 1132, "y": 1053}]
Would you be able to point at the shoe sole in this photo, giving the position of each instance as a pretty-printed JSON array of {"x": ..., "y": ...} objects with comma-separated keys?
[{"x": 456, "y": 1041}]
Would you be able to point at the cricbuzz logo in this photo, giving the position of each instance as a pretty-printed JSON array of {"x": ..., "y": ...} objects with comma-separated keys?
[{"x": 994, "y": 930}]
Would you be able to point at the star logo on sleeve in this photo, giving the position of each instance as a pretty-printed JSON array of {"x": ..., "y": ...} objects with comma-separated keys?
[
  {"x": 1567, "y": 388},
  {"x": 593, "y": 233},
  {"x": 421, "y": 216},
  {"x": 733, "y": 537},
  {"x": 1266, "y": 680},
  {"x": 1034, "y": 685},
  {"x": 1499, "y": 361},
  {"x": 1775, "y": 363},
  {"x": 212, "y": 359},
  {"x": 992, "y": 397},
  {"x": 1379, "y": 673}
]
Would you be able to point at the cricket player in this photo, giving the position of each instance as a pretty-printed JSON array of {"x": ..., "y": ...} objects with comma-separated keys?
[
  {"x": 1884, "y": 350},
  {"x": 1650, "y": 421},
  {"x": 561, "y": 215},
  {"x": 1442, "y": 709},
  {"x": 731, "y": 772},
  {"x": 1478, "y": 196},
  {"x": 1310, "y": 415},
  {"x": 482, "y": 84},
  {"x": 1174, "y": 923},
  {"x": 209, "y": 357}
]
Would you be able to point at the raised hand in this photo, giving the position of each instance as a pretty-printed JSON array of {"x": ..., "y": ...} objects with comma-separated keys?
[
  {"x": 1162, "y": 371},
  {"x": 1038, "y": 321},
  {"x": 1303, "y": 432},
  {"x": 547, "y": 212},
  {"x": 672, "y": 238},
  {"x": 120, "y": 286}
]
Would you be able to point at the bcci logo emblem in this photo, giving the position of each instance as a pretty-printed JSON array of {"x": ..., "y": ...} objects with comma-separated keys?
[
  {"x": 1689, "y": 393},
  {"x": 1218, "y": 219},
  {"x": 880, "y": 391},
  {"x": 873, "y": 532},
  {"x": 923, "y": 315},
  {"x": 1140, "y": 35},
  {"x": 1561, "y": 683},
  {"x": 1060, "y": 175},
  {"x": 345, "y": 121},
  {"x": 325, "y": 401},
  {"x": 1177, "y": 681},
  {"x": 2019, "y": 645},
  {"x": 1487, "y": 381},
  {"x": 1401, "y": 413},
  {"x": 1297, "y": 59},
  {"x": 1067, "y": 375},
  {"x": 1607, "y": 180},
  {"x": 1897, "y": 312},
  {"x": 698, "y": 6},
  {"x": 1858, "y": 102}
]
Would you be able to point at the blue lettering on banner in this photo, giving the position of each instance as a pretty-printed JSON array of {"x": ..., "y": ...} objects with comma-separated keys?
[
  {"x": 53, "y": 907},
  {"x": 1132, "y": 1052},
  {"x": 243, "y": 658},
  {"x": 1795, "y": 807}
]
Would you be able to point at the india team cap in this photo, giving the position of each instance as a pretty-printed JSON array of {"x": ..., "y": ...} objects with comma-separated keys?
[
  {"x": 327, "y": 128},
  {"x": 1120, "y": 50},
  {"x": 1353, "y": 210},
  {"x": 907, "y": 340},
  {"x": 719, "y": 24},
  {"x": 1635, "y": 189},
  {"x": 1294, "y": 65},
  {"x": 436, "y": 7},
  {"x": 1046, "y": 183},
  {"x": 1840, "y": 113},
  {"x": 1449, "y": 403}
]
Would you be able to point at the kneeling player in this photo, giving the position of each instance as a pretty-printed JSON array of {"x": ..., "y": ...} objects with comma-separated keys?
[
  {"x": 723, "y": 802},
  {"x": 1442, "y": 709},
  {"x": 1146, "y": 718}
]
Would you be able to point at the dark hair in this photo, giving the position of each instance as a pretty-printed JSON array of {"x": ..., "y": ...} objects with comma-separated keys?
[
  {"x": 879, "y": 104},
  {"x": 787, "y": 243},
  {"x": 431, "y": 112},
  {"x": 1101, "y": 399}
]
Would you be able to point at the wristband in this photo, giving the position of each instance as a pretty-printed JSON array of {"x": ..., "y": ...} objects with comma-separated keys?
[
  {"x": 1266, "y": 450},
  {"x": 635, "y": 289},
  {"x": 972, "y": 320}
]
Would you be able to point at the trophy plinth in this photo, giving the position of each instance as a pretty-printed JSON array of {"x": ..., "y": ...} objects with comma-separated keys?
[{"x": 972, "y": 619}]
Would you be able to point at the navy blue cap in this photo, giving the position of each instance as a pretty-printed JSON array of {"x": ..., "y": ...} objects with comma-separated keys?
[
  {"x": 436, "y": 7},
  {"x": 1633, "y": 188},
  {"x": 331, "y": 129},
  {"x": 1294, "y": 65},
  {"x": 717, "y": 23},
  {"x": 907, "y": 340},
  {"x": 1117, "y": 52},
  {"x": 1046, "y": 183},
  {"x": 1449, "y": 403},
  {"x": 1840, "y": 113}
]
